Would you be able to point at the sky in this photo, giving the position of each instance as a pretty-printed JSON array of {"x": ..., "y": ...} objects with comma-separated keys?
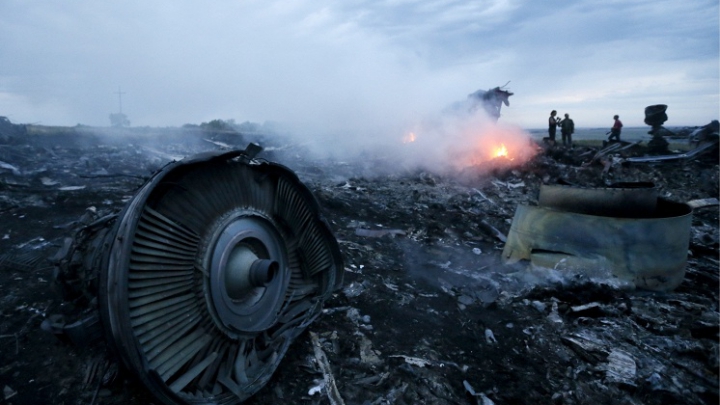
[{"x": 356, "y": 66}]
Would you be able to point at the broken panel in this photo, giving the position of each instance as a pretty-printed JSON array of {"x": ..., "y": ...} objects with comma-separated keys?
[{"x": 626, "y": 230}]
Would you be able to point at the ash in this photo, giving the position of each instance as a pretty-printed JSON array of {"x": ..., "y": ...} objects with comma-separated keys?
[{"x": 428, "y": 313}]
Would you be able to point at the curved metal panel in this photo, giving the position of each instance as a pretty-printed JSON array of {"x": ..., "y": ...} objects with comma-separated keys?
[
  {"x": 625, "y": 200},
  {"x": 650, "y": 252}
]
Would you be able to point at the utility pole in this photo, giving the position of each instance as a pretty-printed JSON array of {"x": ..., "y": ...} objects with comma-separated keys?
[
  {"x": 120, "y": 93},
  {"x": 119, "y": 119}
]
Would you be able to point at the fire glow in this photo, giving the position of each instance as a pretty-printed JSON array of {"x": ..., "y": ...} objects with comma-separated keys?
[
  {"x": 410, "y": 137},
  {"x": 497, "y": 143},
  {"x": 460, "y": 145},
  {"x": 502, "y": 152}
]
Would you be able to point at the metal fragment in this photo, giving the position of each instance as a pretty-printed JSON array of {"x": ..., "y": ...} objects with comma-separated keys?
[
  {"x": 333, "y": 393},
  {"x": 649, "y": 250},
  {"x": 621, "y": 367}
]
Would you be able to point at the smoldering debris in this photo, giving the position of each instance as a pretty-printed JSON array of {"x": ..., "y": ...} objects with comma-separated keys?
[{"x": 428, "y": 313}]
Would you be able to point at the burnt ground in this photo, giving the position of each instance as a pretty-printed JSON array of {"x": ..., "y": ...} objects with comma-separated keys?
[{"x": 428, "y": 314}]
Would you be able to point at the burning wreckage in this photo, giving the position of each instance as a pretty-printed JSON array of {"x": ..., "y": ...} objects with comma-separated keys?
[{"x": 202, "y": 278}]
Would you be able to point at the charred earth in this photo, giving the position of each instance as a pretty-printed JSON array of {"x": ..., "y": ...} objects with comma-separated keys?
[{"x": 427, "y": 313}]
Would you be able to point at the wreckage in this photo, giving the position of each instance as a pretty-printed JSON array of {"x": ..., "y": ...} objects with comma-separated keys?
[
  {"x": 624, "y": 229},
  {"x": 205, "y": 278},
  {"x": 428, "y": 312},
  {"x": 704, "y": 139},
  {"x": 491, "y": 100}
]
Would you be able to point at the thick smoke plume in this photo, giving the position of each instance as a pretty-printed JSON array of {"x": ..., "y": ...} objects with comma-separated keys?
[{"x": 460, "y": 136}]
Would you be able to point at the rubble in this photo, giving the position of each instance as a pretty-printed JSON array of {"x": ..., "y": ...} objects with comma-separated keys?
[
  {"x": 705, "y": 148},
  {"x": 524, "y": 336}
]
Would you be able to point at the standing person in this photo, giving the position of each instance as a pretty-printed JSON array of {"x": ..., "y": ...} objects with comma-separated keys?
[
  {"x": 567, "y": 127},
  {"x": 616, "y": 129},
  {"x": 552, "y": 125}
]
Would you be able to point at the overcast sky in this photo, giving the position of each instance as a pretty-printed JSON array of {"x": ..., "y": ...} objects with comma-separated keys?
[{"x": 356, "y": 65}]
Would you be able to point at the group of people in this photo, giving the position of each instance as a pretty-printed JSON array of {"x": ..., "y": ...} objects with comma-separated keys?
[{"x": 567, "y": 128}]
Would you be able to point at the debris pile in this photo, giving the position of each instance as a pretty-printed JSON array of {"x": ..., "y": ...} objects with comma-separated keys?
[{"x": 428, "y": 312}]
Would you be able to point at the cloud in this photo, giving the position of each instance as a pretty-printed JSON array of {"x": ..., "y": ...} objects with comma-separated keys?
[{"x": 354, "y": 67}]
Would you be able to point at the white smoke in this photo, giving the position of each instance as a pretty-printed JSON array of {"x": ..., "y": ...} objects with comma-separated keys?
[{"x": 459, "y": 136}]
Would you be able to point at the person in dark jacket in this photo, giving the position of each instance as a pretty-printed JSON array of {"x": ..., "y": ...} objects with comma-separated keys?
[
  {"x": 616, "y": 129},
  {"x": 567, "y": 127},
  {"x": 552, "y": 126}
]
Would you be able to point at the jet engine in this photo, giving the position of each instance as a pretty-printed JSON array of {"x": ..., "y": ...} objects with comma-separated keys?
[{"x": 203, "y": 280}]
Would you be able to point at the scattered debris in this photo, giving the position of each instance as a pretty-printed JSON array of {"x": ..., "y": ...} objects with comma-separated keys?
[
  {"x": 331, "y": 389},
  {"x": 377, "y": 233},
  {"x": 489, "y": 337},
  {"x": 7, "y": 166},
  {"x": 481, "y": 398},
  {"x": 703, "y": 203},
  {"x": 8, "y": 392},
  {"x": 621, "y": 367},
  {"x": 414, "y": 361},
  {"x": 704, "y": 148},
  {"x": 576, "y": 336}
]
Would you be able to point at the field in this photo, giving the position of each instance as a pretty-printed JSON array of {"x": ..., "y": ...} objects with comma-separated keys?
[{"x": 428, "y": 313}]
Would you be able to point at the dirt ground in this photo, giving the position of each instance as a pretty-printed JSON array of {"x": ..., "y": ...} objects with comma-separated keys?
[{"x": 428, "y": 313}]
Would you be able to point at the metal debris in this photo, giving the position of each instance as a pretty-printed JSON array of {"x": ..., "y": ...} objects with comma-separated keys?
[
  {"x": 414, "y": 361},
  {"x": 491, "y": 230},
  {"x": 698, "y": 151},
  {"x": 367, "y": 354},
  {"x": 643, "y": 241},
  {"x": 703, "y": 203},
  {"x": 353, "y": 289},
  {"x": 480, "y": 398},
  {"x": 621, "y": 367},
  {"x": 672, "y": 337},
  {"x": 332, "y": 392},
  {"x": 7, "y": 166},
  {"x": 490, "y": 337},
  {"x": 8, "y": 392},
  {"x": 554, "y": 317},
  {"x": 377, "y": 233}
]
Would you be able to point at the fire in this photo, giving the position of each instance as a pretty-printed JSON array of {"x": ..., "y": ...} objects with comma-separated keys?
[
  {"x": 501, "y": 151},
  {"x": 410, "y": 137},
  {"x": 495, "y": 145}
]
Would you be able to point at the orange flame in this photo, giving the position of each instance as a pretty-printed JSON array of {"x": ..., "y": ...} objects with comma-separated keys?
[
  {"x": 410, "y": 137},
  {"x": 495, "y": 143},
  {"x": 501, "y": 151}
]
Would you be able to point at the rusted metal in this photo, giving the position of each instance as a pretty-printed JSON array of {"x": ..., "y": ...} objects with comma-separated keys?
[{"x": 592, "y": 229}]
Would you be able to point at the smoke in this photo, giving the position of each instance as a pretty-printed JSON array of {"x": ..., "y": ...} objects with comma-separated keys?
[
  {"x": 459, "y": 271},
  {"x": 460, "y": 136}
]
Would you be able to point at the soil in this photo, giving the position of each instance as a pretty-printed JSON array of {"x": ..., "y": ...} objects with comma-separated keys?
[{"x": 428, "y": 313}]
